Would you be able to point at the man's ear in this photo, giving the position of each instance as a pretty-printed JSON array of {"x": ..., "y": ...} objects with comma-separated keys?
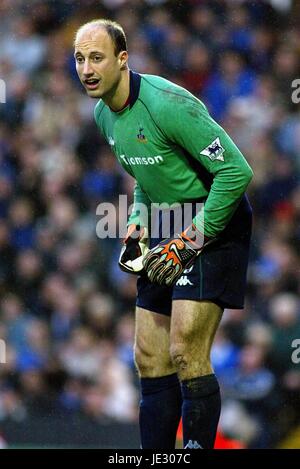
[{"x": 123, "y": 58}]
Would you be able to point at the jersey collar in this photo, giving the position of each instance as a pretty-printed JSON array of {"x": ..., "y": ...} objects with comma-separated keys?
[
  {"x": 135, "y": 85},
  {"x": 134, "y": 91}
]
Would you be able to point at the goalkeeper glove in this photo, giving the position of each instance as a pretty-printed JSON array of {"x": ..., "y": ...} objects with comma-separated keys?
[
  {"x": 166, "y": 262},
  {"x": 134, "y": 249}
]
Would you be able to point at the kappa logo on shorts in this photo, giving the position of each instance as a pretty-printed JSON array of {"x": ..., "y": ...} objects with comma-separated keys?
[
  {"x": 214, "y": 150},
  {"x": 183, "y": 281},
  {"x": 111, "y": 141},
  {"x": 193, "y": 444}
]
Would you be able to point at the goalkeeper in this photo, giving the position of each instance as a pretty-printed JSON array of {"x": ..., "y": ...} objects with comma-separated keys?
[{"x": 165, "y": 138}]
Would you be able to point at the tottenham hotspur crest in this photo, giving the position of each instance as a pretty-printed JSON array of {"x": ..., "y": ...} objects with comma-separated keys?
[
  {"x": 214, "y": 150},
  {"x": 141, "y": 136}
]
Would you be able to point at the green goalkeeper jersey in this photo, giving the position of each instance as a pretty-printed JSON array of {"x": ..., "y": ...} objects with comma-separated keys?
[{"x": 166, "y": 139}]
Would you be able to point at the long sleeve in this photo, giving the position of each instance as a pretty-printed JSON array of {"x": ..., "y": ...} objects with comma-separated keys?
[
  {"x": 141, "y": 210},
  {"x": 186, "y": 122}
]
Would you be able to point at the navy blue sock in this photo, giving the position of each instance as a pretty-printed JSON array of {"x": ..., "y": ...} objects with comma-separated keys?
[
  {"x": 160, "y": 411},
  {"x": 200, "y": 411}
]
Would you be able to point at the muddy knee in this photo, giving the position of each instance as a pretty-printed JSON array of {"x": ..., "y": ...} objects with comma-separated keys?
[
  {"x": 188, "y": 362},
  {"x": 179, "y": 356}
]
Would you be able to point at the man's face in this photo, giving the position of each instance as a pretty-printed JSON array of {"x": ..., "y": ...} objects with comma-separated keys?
[{"x": 97, "y": 66}]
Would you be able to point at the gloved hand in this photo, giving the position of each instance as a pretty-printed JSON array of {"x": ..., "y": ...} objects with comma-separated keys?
[
  {"x": 135, "y": 246},
  {"x": 166, "y": 262}
]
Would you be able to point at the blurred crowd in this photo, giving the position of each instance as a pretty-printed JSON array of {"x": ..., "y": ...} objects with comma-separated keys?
[{"x": 66, "y": 310}]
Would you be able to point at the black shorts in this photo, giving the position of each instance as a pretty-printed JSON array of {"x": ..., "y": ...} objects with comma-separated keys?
[{"x": 218, "y": 274}]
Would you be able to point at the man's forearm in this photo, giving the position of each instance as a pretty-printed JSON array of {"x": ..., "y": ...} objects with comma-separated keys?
[{"x": 141, "y": 208}]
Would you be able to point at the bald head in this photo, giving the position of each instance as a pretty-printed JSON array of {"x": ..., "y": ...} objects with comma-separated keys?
[
  {"x": 114, "y": 31},
  {"x": 91, "y": 38}
]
